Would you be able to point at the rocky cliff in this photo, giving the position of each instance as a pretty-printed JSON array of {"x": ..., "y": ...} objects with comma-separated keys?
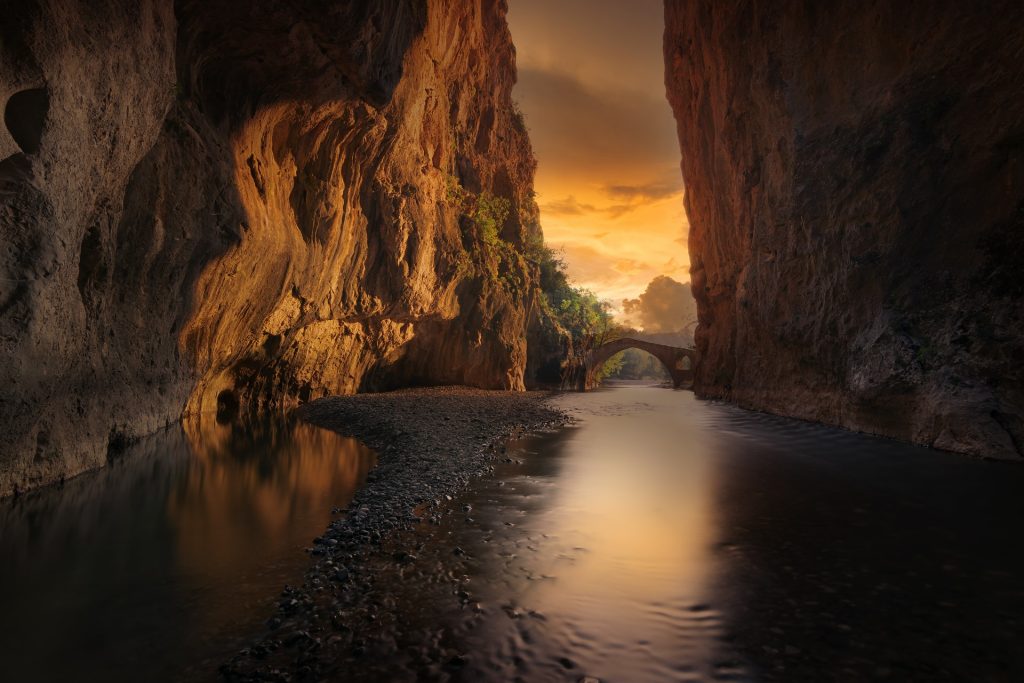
[
  {"x": 212, "y": 205},
  {"x": 855, "y": 189}
]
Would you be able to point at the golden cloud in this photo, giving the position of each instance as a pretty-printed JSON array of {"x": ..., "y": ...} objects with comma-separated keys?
[{"x": 608, "y": 183}]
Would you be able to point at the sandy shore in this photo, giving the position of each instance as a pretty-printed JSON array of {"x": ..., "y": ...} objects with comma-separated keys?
[{"x": 431, "y": 444}]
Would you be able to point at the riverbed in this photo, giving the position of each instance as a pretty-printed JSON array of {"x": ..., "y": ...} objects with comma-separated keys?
[
  {"x": 662, "y": 538},
  {"x": 658, "y": 538}
]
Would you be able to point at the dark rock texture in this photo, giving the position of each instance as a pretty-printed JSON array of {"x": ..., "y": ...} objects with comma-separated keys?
[
  {"x": 856, "y": 198},
  {"x": 224, "y": 206}
]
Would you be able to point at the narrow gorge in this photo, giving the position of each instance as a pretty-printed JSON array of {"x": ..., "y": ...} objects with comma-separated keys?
[
  {"x": 205, "y": 209},
  {"x": 511, "y": 340}
]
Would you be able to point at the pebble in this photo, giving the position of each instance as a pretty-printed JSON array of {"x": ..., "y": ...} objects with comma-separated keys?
[{"x": 402, "y": 426}]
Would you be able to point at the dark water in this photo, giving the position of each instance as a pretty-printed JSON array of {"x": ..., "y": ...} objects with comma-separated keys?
[
  {"x": 666, "y": 539},
  {"x": 659, "y": 539},
  {"x": 160, "y": 566}
]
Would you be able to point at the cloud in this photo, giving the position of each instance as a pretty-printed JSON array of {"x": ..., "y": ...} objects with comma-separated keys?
[
  {"x": 620, "y": 210},
  {"x": 630, "y": 198},
  {"x": 666, "y": 305},
  {"x": 671, "y": 265},
  {"x": 629, "y": 266},
  {"x": 591, "y": 82},
  {"x": 606, "y": 42},
  {"x": 568, "y": 207},
  {"x": 649, "y": 192},
  {"x": 582, "y": 129},
  {"x": 596, "y": 266}
]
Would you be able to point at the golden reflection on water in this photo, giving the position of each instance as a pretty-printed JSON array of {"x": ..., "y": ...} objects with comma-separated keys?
[
  {"x": 637, "y": 494},
  {"x": 171, "y": 557},
  {"x": 247, "y": 484},
  {"x": 253, "y": 490},
  {"x": 599, "y": 543}
]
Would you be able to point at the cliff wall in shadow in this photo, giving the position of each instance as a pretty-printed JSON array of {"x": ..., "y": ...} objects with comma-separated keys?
[{"x": 855, "y": 190}]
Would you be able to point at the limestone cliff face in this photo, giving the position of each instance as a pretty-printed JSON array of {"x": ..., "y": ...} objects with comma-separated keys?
[
  {"x": 213, "y": 204},
  {"x": 855, "y": 190}
]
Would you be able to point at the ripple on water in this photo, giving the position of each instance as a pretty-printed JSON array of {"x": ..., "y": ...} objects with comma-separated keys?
[
  {"x": 579, "y": 570},
  {"x": 687, "y": 541}
]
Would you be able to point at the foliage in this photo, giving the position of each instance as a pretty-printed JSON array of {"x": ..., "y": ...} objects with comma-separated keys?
[
  {"x": 489, "y": 215},
  {"x": 587, "y": 320},
  {"x": 487, "y": 212},
  {"x": 611, "y": 367},
  {"x": 637, "y": 364},
  {"x": 518, "y": 117},
  {"x": 665, "y": 306}
]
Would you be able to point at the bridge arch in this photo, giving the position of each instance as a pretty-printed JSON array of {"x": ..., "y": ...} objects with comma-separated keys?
[{"x": 678, "y": 361}]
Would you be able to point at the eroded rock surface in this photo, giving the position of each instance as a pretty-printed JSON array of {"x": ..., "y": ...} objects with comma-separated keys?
[
  {"x": 856, "y": 200},
  {"x": 220, "y": 206}
]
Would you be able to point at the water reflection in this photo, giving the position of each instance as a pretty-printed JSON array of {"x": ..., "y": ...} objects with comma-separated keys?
[
  {"x": 668, "y": 539},
  {"x": 630, "y": 526},
  {"x": 257, "y": 483},
  {"x": 618, "y": 558},
  {"x": 591, "y": 554},
  {"x": 158, "y": 566}
]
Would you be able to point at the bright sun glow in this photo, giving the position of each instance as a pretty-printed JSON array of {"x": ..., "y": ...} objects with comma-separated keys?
[{"x": 608, "y": 181}]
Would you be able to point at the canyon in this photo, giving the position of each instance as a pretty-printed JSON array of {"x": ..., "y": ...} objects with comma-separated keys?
[
  {"x": 273, "y": 281},
  {"x": 208, "y": 210},
  {"x": 856, "y": 201},
  {"x": 212, "y": 210}
]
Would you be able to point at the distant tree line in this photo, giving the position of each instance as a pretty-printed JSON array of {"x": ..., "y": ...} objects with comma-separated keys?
[
  {"x": 665, "y": 310},
  {"x": 636, "y": 364}
]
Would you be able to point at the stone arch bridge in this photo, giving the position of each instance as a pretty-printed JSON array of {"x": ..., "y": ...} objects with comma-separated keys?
[{"x": 677, "y": 360}]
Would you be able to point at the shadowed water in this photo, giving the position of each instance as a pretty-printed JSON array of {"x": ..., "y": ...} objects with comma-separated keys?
[
  {"x": 661, "y": 538},
  {"x": 668, "y": 539},
  {"x": 164, "y": 563}
]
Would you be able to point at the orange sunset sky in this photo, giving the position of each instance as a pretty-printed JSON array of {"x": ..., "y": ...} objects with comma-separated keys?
[{"x": 591, "y": 84}]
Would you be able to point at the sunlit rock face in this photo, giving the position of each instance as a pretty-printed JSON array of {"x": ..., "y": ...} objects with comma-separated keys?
[
  {"x": 221, "y": 204},
  {"x": 856, "y": 198}
]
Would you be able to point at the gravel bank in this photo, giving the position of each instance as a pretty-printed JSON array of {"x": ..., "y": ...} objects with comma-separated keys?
[{"x": 431, "y": 444}]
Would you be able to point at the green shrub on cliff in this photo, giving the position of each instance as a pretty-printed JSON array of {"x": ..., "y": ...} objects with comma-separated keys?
[
  {"x": 486, "y": 211},
  {"x": 585, "y": 318},
  {"x": 489, "y": 214}
]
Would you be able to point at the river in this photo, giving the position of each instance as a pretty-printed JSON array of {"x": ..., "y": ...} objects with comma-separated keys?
[
  {"x": 660, "y": 538},
  {"x": 664, "y": 538},
  {"x": 167, "y": 561}
]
